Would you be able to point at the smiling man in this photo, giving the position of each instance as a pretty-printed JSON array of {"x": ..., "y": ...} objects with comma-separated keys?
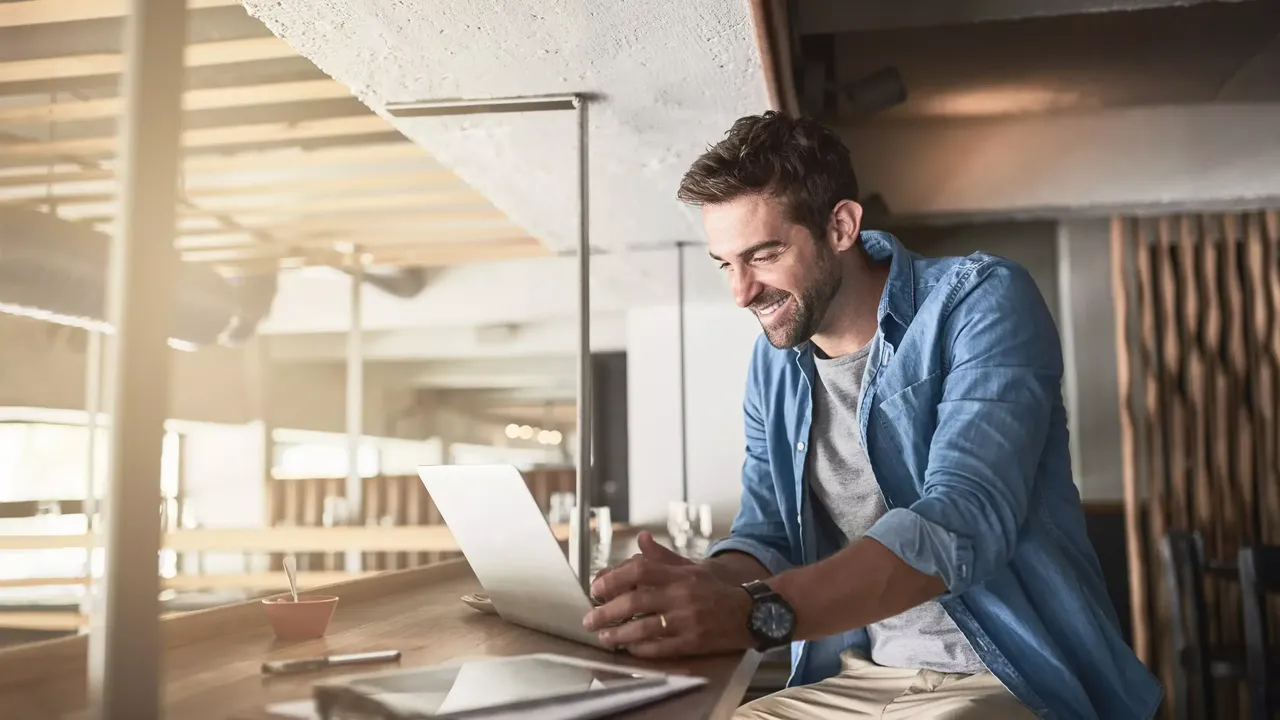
[{"x": 909, "y": 523}]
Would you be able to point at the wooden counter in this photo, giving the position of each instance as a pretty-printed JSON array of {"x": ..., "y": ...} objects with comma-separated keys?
[{"x": 213, "y": 657}]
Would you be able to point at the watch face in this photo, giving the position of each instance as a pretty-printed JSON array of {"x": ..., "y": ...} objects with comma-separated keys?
[{"x": 772, "y": 618}]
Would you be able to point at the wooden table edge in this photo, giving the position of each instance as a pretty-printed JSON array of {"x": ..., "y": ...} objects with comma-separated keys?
[
  {"x": 56, "y": 659},
  {"x": 61, "y": 656}
]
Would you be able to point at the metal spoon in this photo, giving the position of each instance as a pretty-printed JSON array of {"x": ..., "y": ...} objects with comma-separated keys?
[{"x": 291, "y": 570}]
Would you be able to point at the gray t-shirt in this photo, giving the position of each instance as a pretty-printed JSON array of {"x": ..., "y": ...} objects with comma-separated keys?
[{"x": 845, "y": 487}]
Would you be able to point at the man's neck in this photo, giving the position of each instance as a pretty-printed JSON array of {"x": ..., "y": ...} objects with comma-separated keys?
[{"x": 851, "y": 319}]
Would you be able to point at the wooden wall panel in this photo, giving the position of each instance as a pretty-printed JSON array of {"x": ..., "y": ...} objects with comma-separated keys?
[
  {"x": 1200, "y": 406},
  {"x": 388, "y": 499},
  {"x": 1121, "y": 291}
]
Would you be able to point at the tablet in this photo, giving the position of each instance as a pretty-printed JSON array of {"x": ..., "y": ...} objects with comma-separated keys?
[{"x": 473, "y": 686}]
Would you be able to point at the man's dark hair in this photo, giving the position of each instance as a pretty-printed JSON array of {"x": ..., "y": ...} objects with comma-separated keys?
[{"x": 796, "y": 160}]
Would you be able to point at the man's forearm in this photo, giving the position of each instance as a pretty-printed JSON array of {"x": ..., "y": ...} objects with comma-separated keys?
[
  {"x": 862, "y": 584},
  {"x": 736, "y": 567}
]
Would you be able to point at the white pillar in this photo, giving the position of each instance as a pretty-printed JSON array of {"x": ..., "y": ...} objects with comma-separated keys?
[{"x": 125, "y": 672}]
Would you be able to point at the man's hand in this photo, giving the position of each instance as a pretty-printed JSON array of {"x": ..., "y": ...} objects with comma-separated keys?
[
  {"x": 686, "y": 609},
  {"x": 651, "y": 552}
]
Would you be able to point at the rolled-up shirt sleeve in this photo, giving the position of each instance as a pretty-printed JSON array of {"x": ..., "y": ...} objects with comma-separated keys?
[
  {"x": 773, "y": 561},
  {"x": 1003, "y": 373}
]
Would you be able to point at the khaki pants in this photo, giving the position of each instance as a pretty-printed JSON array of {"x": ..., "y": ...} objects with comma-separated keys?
[{"x": 866, "y": 690}]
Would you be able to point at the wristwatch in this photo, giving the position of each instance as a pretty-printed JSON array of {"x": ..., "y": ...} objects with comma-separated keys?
[{"x": 772, "y": 620}]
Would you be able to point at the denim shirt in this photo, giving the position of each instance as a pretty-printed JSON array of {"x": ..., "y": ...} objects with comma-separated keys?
[{"x": 962, "y": 418}]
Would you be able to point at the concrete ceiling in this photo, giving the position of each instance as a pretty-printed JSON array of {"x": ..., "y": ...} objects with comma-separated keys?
[
  {"x": 1163, "y": 54},
  {"x": 670, "y": 77}
]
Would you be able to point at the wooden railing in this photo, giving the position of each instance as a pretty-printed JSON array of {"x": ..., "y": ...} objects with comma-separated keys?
[
  {"x": 397, "y": 527},
  {"x": 431, "y": 539},
  {"x": 419, "y": 538}
]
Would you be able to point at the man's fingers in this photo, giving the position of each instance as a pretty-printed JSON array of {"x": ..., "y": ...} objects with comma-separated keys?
[
  {"x": 625, "y": 607},
  {"x": 656, "y": 551},
  {"x": 601, "y": 592},
  {"x": 642, "y": 629},
  {"x": 651, "y": 552},
  {"x": 631, "y": 575}
]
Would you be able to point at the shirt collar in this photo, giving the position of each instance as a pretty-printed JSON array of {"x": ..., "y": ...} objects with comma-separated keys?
[
  {"x": 898, "y": 303},
  {"x": 899, "y": 299}
]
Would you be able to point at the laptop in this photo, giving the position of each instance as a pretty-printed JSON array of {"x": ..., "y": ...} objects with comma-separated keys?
[{"x": 501, "y": 530}]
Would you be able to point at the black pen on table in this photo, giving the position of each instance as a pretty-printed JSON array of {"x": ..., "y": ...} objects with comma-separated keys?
[{"x": 282, "y": 667}]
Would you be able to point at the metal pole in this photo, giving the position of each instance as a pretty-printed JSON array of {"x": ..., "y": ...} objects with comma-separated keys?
[
  {"x": 684, "y": 430},
  {"x": 355, "y": 402},
  {"x": 93, "y": 405},
  {"x": 125, "y": 670},
  {"x": 584, "y": 354}
]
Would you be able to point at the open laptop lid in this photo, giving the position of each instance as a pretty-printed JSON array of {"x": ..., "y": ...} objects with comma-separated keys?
[{"x": 510, "y": 547}]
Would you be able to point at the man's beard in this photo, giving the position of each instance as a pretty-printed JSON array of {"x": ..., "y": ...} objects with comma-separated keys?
[{"x": 808, "y": 309}]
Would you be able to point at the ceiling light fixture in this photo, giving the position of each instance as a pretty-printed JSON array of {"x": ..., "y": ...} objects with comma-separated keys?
[
  {"x": 83, "y": 323},
  {"x": 55, "y": 271}
]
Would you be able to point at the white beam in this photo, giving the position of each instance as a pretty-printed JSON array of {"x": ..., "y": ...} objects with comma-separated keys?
[
  {"x": 824, "y": 16},
  {"x": 495, "y": 293},
  {"x": 542, "y": 373},
  {"x": 1157, "y": 158},
  {"x": 552, "y": 337}
]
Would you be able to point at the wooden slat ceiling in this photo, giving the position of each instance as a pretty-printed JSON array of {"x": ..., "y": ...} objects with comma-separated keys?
[{"x": 282, "y": 166}]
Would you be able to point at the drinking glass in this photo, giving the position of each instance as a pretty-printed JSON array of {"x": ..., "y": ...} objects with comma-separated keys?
[
  {"x": 703, "y": 534},
  {"x": 560, "y": 507},
  {"x": 600, "y": 535},
  {"x": 680, "y": 525},
  {"x": 601, "y": 538}
]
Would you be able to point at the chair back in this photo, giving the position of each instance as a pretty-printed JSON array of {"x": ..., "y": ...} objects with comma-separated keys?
[
  {"x": 1183, "y": 554},
  {"x": 1259, "y": 569}
]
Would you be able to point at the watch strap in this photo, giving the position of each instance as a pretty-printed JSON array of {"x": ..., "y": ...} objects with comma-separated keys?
[
  {"x": 758, "y": 589},
  {"x": 761, "y": 592}
]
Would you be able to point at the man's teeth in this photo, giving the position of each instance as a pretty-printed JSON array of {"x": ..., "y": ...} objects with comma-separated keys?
[{"x": 769, "y": 310}]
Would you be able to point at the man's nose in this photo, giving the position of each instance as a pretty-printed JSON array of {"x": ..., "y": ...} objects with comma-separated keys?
[{"x": 745, "y": 288}]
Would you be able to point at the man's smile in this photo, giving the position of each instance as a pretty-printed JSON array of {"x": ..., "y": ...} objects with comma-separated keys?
[{"x": 773, "y": 307}]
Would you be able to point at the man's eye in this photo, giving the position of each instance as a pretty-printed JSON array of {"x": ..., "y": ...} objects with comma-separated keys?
[
  {"x": 724, "y": 266},
  {"x": 764, "y": 258}
]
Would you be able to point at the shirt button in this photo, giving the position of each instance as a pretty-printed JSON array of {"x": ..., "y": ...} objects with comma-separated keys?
[
  {"x": 799, "y": 519},
  {"x": 800, "y": 446}
]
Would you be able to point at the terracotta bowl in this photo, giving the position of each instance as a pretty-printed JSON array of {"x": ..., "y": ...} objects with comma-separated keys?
[{"x": 303, "y": 620}]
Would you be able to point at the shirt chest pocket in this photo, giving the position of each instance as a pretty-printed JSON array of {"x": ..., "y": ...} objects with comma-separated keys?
[{"x": 904, "y": 426}]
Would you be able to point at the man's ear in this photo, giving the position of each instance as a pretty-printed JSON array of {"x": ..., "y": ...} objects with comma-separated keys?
[{"x": 846, "y": 222}]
